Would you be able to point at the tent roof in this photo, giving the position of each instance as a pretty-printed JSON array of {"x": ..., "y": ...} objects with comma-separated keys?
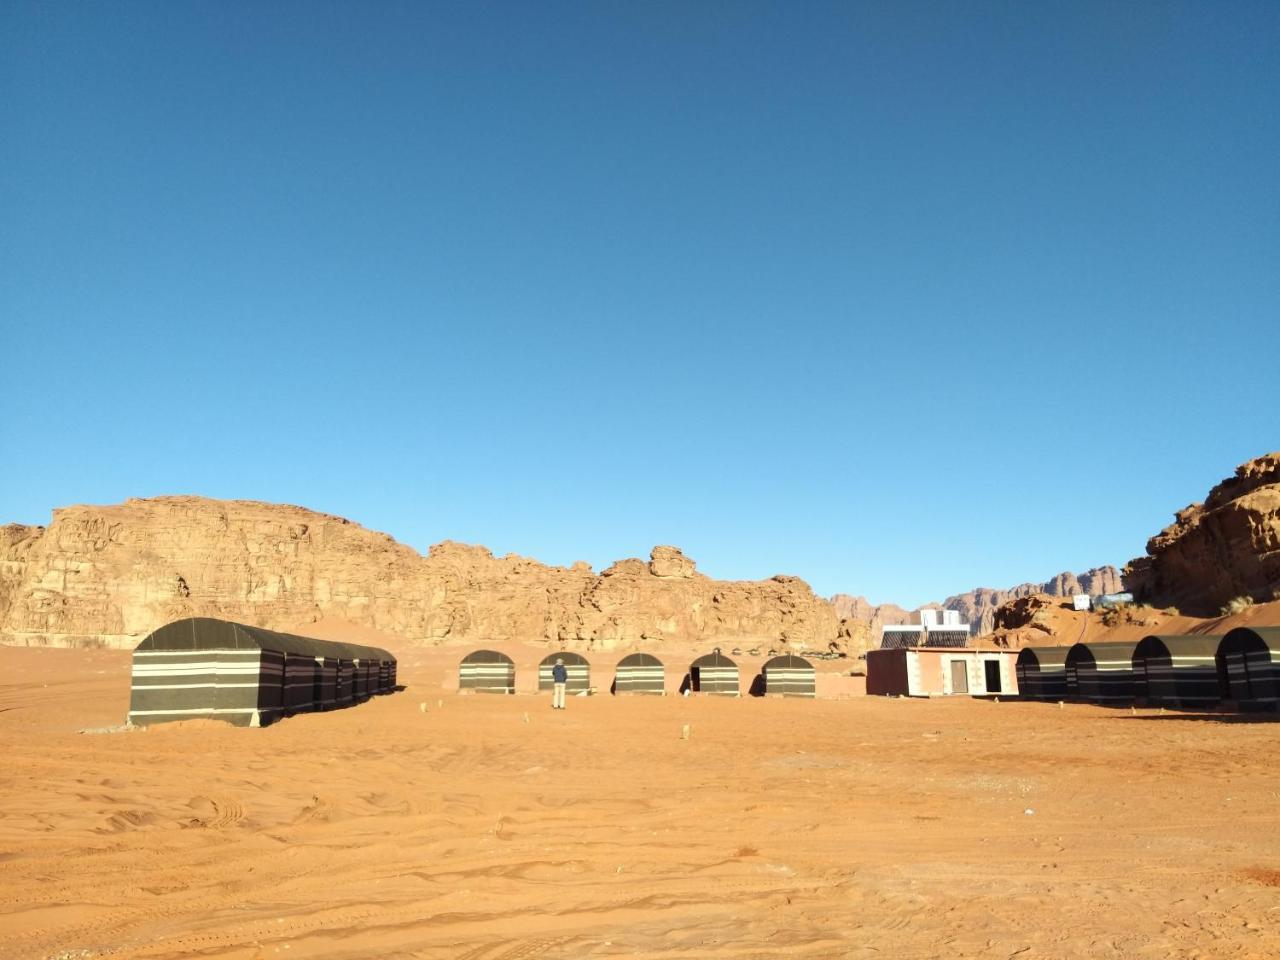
[
  {"x": 486, "y": 656},
  {"x": 1267, "y": 636},
  {"x": 1108, "y": 651},
  {"x": 1180, "y": 644},
  {"x": 567, "y": 656},
  {"x": 207, "y": 633},
  {"x": 788, "y": 661},
  {"x": 639, "y": 660},
  {"x": 1044, "y": 656},
  {"x": 716, "y": 659}
]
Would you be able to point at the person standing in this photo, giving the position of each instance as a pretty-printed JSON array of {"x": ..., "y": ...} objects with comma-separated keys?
[{"x": 559, "y": 677}]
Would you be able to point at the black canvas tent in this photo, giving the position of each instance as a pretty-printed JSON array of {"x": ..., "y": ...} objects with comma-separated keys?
[
  {"x": 1177, "y": 670},
  {"x": 714, "y": 673},
  {"x": 248, "y": 676},
  {"x": 639, "y": 673},
  {"x": 577, "y": 669},
  {"x": 1102, "y": 672},
  {"x": 789, "y": 676},
  {"x": 487, "y": 671},
  {"x": 1249, "y": 659},
  {"x": 1042, "y": 673}
]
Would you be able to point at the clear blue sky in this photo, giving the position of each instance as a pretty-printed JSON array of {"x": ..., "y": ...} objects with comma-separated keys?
[{"x": 902, "y": 298}]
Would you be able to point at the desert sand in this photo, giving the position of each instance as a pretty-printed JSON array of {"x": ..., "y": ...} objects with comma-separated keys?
[{"x": 861, "y": 827}]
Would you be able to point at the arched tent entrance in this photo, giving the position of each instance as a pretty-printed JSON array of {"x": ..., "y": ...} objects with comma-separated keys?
[
  {"x": 789, "y": 676},
  {"x": 1042, "y": 673},
  {"x": 1101, "y": 673},
  {"x": 639, "y": 673},
  {"x": 1250, "y": 659},
  {"x": 576, "y": 666},
  {"x": 1178, "y": 670},
  {"x": 714, "y": 673},
  {"x": 487, "y": 671},
  {"x": 248, "y": 676}
]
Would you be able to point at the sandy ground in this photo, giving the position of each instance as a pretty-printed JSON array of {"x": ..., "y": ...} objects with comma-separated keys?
[{"x": 491, "y": 828}]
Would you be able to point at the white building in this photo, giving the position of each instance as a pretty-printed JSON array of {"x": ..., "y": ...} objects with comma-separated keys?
[{"x": 930, "y": 628}]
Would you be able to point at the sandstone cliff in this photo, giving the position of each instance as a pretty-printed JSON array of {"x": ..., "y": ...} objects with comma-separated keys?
[
  {"x": 1226, "y": 547},
  {"x": 111, "y": 574}
]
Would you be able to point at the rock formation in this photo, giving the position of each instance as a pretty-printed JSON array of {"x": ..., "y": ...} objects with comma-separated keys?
[
  {"x": 979, "y": 606},
  {"x": 110, "y": 574},
  {"x": 1226, "y": 547}
]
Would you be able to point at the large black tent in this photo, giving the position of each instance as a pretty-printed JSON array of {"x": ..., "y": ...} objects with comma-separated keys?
[
  {"x": 1102, "y": 672},
  {"x": 577, "y": 669},
  {"x": 1042, "y": 673},
  {"x": 248, "y": 676},
  {"x": 789, "y": 676},
  {"x": 487, "y": 671},
  {"x": 639, "y": 673},
  {"x": 1177, "y": 670},
  {"x": 714, "y": 673},
  {"x": 1250, "y": 659}
]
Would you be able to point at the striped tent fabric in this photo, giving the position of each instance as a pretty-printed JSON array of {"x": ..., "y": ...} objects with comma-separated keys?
[
  {"x": 1250, "y": 659},
  {"x": 1042, "y": 673},
  {"x": 1178, "y": 670},
  {"x": 1102, "y": 673},
  {"x": 714, "y": 673},
  {"x": 639, "y": 673},
  {"x": 487, "y": 671},
  {"x": 201, "y": 667},
  {"x": 789, "y": 676},
  {"x": 577, "y": 668}
]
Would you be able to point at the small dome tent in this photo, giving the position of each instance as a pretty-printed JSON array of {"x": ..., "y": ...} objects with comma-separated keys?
[
  {"x": 789, "y": 676},
  {"x": 576, "y": 666},
  {"x": 714, "y": 673},
  {"x": 1249, "y": 659},
  {"x": 639, "y": 673},
  {"x": 1042, "y": 673},
  {"x": 487, "y": 671},
  {"x": 248, "y": 676},
  {"x": 1178, "y": 670},
  {"x": 1102, "y": 673}
]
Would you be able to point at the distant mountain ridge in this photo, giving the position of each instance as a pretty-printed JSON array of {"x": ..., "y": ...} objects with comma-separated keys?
[{"x": 978, "y": 606}]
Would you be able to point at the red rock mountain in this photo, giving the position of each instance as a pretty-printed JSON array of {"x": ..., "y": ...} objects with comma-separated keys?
[
  {"x": 979, "y": 605},
  {"x": 111, "y": 574},
  {"x": 1226, "y": 547}
]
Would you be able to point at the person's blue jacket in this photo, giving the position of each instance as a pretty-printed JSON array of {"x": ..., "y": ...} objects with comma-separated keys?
[{"x": 559, "y": 674}]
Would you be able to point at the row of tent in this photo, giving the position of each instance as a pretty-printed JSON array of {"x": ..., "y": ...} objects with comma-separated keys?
[
  {"x": 490, "y": 671},
  {"x": 1191, "y": 670},
  {"x": 206, "y": 668}
]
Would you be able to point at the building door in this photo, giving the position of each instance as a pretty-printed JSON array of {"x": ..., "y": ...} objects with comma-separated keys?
[
  {"x": 992, "y": 668},
  {"x": 959, "y": 676}
]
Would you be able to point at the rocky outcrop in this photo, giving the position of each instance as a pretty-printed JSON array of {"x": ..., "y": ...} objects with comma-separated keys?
[
  {"x": 670, "y": 562},
  {"x": 979, "y": 606},
  {"x": 110, "y": 574},
  {"x": 1226, "y": 547},
  {"x": 861, "y": 622}
]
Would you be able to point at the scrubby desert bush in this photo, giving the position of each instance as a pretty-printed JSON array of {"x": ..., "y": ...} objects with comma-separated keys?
[{"x": 1237, "y": 605}]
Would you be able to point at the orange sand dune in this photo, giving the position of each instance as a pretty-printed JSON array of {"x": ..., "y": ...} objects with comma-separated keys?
[{"x": 859, "y": 828}]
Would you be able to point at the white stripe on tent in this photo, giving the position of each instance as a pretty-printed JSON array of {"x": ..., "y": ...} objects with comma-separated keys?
[
  {"x": 198, "y": 653},
  {"x": 189, "y": 668},
  {"x": 191, "y": 686},
  {"x": 139, "y": 713}
]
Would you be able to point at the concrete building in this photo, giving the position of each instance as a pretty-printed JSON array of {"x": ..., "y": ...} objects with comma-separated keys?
[{"x": 941, "y": 672}]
